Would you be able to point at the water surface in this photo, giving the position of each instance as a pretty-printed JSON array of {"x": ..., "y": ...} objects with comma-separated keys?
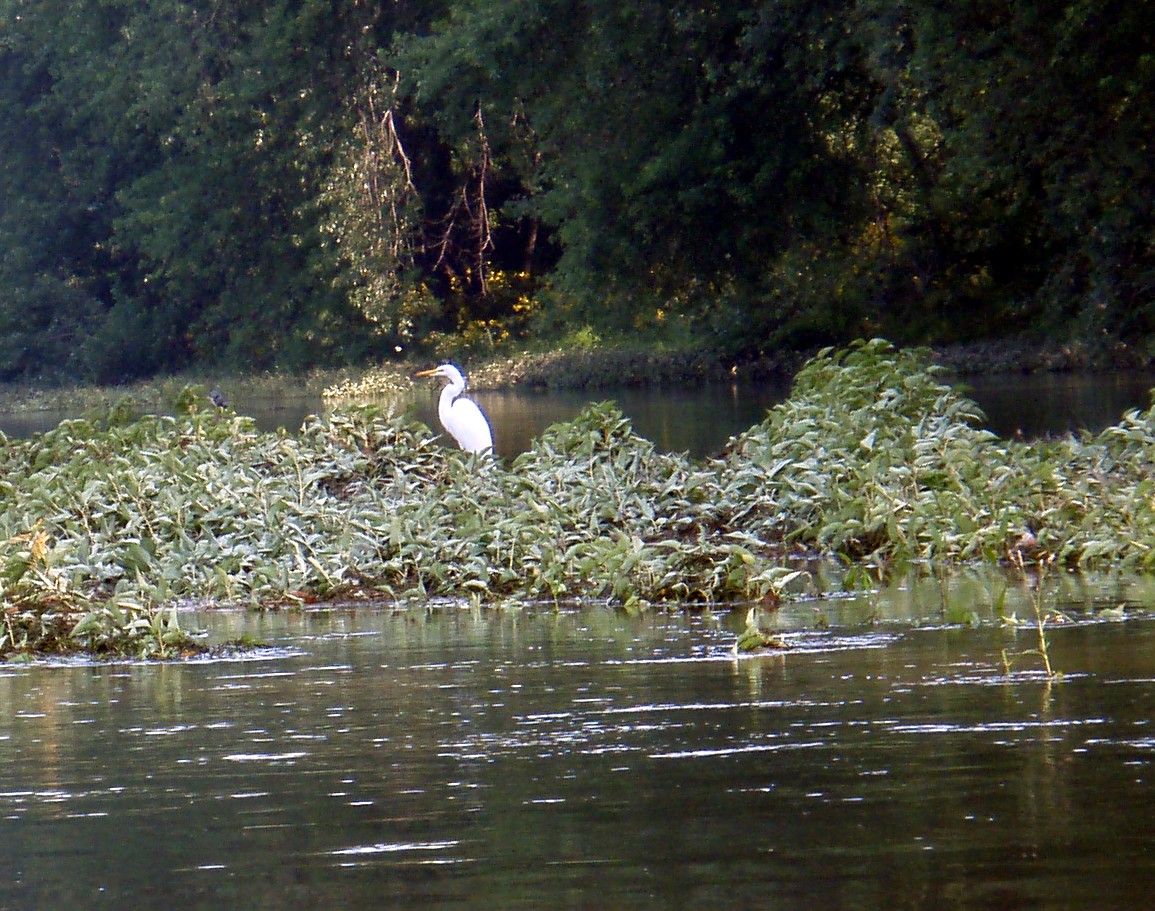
[
  {"x": 699, "y": 420},
  {"x": 534, "y": 759}
]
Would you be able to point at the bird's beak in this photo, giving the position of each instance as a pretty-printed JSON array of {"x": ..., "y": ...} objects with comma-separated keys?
[{"x": 425, "y": 373}]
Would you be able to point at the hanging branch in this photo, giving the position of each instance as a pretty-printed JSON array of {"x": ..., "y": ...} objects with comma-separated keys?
[
  {"x": 472, "y": 206},
  {"x": 529, "y": 142},
  {"x": 481, "y": 227},
  {"x": 383, "y": 153}
]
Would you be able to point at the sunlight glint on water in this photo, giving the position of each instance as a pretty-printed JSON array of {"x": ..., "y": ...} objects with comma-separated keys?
[{"x": 533, "y": 760}]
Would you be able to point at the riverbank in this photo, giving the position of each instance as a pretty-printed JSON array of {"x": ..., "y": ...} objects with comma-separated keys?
[
  {"x": 629, "y": 367},
  {"x": 596, "y": 368}
]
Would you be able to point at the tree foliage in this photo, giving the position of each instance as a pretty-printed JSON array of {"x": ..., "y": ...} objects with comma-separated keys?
[{"x": 294, "y": 181}]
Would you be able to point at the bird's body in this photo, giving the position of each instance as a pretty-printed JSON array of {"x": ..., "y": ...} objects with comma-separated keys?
[{"x": 461, "y": 417}]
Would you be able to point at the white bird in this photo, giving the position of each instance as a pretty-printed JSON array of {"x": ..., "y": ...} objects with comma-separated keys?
[{"x": 465, "y": 422}]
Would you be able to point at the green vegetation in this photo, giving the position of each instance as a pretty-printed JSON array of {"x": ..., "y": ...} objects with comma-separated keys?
[
  {"x": 291, "y": 183},
  {"x": 872, "y": 459},
  {"x": 756, "y": 639},
  {"x": 44, "y": 614},
  {"x": 1034, "y": 578}
]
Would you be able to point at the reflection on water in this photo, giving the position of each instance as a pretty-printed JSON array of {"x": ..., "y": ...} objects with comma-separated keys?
[
  {"x": 701, "y": 419},
  {"x": 698, "y": 420},
  {"x": 1056, "y": 403},
  {"x": 587, "y": 759}
]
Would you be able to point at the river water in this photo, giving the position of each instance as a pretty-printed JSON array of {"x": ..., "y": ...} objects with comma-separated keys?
[
  {"x": 447, "y": 757},
  {"x": 699, "y": 420},
  {"x": 453, "y": 758}
]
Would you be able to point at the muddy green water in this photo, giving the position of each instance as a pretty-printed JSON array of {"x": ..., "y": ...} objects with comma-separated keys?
[
  {"x": 452, "y": 758},
  {"x": 700, "y": 419}
]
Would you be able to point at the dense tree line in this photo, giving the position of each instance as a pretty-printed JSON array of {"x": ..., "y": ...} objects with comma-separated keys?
[{"x": 291, "y": 182}]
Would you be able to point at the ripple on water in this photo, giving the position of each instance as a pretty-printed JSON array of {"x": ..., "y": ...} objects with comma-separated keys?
[
  {"x": 423, "y": 854},
  {"x": 686, "y": 774},
  {"x": 290, "y": 756}
]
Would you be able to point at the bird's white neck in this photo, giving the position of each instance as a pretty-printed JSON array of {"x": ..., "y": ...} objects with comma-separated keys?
[{"x": 448, "y": 394}]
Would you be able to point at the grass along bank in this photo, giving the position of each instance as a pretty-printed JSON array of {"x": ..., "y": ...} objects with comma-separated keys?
[{"x": 105, "y": 525}]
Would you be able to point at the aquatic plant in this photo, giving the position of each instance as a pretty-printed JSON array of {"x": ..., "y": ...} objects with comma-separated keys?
[
  {"x": 872, "y": 453},
  {"x": 872, "y": 460},
  {"x": 44, "y": 613},
  {"x": 754, "y": 638},
  {"x": 1034, "y": 578}
]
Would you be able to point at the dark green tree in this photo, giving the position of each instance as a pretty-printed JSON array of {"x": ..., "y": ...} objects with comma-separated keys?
[
  {"x": 677, "y": 156},
  {"x": 166, "y": 177},
  {"x": 1023, "y": 132},
  {"x": 291, "y": 182}
]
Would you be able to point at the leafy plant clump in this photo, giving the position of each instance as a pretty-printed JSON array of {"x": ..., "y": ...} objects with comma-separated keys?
[
  {"x": 874, "y": 457},
  {"x": 45, "y": 614},
  {"x": 871, "y": 459}
]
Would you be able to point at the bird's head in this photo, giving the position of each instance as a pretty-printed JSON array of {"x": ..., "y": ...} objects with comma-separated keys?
[{"x": 446, "y": 372}]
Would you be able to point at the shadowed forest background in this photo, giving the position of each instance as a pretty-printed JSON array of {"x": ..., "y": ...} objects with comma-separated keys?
[{"x": 289, "y": 183}]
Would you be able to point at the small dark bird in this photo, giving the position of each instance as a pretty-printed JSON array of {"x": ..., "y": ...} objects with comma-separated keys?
[
  {"x": 218, "y": 398},
  {"x": 1024, "y": 547}
]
